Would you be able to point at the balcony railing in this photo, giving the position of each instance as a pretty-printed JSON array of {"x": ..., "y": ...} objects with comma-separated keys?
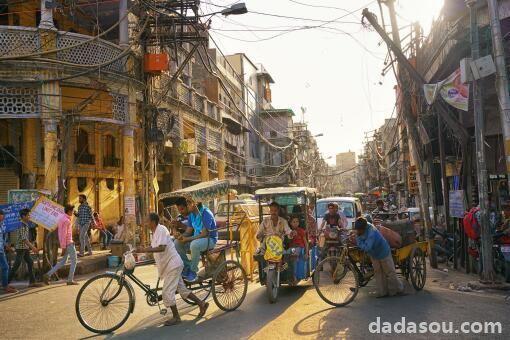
[
  {"x": 111, "y": 162},
  {"x": 184, "y": 94},
  {"x": 84, "y": 158},
  {"x": 17, "y": 40}
]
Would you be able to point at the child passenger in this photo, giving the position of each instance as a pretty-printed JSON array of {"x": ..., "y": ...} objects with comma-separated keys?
[{"x": 299, "y": 244}]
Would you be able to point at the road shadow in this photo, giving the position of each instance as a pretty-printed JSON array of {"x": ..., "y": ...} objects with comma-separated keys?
[
  {"x": 251, "y": 316},
  {"x": 337, "y": 323}
]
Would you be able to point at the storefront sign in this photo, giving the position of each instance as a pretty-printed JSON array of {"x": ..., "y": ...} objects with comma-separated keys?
[
  {"x": 457, "y": 204},
  {"x": 25, "y": 195},
  {"x": 412, "y": 180},
  {"x": 12, "y": 220},
  {"x": 46, "y": 213}
]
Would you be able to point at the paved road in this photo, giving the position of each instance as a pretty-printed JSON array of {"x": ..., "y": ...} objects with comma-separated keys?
[{"x": 49, "y": 313}]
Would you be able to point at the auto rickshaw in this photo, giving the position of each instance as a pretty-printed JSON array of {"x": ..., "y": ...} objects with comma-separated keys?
[{"x": 293, "y": 201}]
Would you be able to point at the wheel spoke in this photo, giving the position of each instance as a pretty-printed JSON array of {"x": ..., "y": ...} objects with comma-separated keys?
[{"x": 103, "y": 304}]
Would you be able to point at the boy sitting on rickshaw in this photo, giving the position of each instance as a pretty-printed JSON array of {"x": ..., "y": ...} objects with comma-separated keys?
[{"x": 197, "y": 237}]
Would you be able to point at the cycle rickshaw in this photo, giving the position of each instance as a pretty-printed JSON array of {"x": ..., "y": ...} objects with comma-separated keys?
[
  {"x": 338, "y": 277},
  {"x": 293, "y": 201},
  {"x": 105, "y": 302}
]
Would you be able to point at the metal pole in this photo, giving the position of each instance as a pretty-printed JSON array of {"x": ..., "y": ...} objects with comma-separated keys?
[
  {"x": 501, "y": 76},
  {"x": 411, "y": 128},
  {"x": 487, "y": 274}
]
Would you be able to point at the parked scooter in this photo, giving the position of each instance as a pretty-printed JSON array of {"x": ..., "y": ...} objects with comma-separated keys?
[{"x": 501, "y": 248}]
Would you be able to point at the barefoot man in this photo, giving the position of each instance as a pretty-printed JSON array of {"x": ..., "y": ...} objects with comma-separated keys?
[{"x": 170, "y": 267}]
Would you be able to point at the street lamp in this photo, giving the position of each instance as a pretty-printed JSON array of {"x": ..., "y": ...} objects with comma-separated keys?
[
  {"x": 235, "y": 9},
  {"x": 319, "y": 135}
]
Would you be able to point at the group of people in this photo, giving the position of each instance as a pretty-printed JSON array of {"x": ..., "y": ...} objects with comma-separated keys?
[
  {"x": 25, "y": 242},
  {"x": 194, "y": 231},
  {"x": 88, "y": 220},
  {"x": 276, "y": 225},
  {"x": 22, "y": 249}
]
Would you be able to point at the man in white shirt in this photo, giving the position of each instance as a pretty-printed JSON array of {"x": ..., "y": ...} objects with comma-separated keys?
[{"x": 170, "y": 267}]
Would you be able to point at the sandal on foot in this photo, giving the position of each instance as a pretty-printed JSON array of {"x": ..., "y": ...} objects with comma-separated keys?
[
  {"x": 203, "y": 309},
  {"x": 172, "y": 322}
]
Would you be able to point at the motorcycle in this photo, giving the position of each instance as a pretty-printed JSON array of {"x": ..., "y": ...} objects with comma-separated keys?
[
  {"x": 447, "y": 245},
  {"x": 501, "y": 248}
]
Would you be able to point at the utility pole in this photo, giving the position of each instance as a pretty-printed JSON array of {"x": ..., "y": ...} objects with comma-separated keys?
[
  {"x": 487, "y": 275},
  {"x": 412, "y": 131},
  {"x": 501, "y": 76}
]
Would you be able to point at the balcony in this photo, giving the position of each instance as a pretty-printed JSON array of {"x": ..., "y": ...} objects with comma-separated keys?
[
  {"x": 84, "y": 158},
  {"x": 17, "y": 40},
  {"x": 111, "y": 162}
]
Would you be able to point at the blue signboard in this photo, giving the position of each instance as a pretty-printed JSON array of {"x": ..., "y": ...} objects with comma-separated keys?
[{"x": 11, "y": 211}]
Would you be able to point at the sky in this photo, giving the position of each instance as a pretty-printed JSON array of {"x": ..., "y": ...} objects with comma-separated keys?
[{"x": 334, "y": 71}]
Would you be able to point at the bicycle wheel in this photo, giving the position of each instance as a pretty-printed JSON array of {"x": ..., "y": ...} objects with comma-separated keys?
[
  {"x": 335, "y": 281},
  {"x": 202, "y": 291},
  {"x": 230, "y": 285},
  {"x": 104, "y": 303}
]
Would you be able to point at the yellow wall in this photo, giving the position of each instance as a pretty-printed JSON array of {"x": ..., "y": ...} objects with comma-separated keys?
[
  {"x": 109, "y": 202},
  {"x": 74, "y": 96},
  {"x": 73, "y": 192},
  {"x": 24, "y": 12}
]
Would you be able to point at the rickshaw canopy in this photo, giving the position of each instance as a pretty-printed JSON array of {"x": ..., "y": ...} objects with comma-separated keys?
[
  {"x": 297, "y": 191},
  {"x": 201, "y": 192}
]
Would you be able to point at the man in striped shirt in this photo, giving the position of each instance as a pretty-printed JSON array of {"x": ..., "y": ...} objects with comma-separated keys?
[
  {"x": 84, "y": 215},
  {"x": 65, "y": 237}
]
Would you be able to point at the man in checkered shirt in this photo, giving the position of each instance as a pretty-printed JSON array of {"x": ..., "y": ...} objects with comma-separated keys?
[{"x": 84, "y": 215}]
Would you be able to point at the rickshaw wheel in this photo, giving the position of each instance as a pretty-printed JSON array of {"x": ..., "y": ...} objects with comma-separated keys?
[
  {"x": 417, "y": 268},
  {"x": 404, "y": 267},
  {"x": 336, "y": 281},
  {"x": 229, "y": 286},
  {"x": 202, "y": 293}
]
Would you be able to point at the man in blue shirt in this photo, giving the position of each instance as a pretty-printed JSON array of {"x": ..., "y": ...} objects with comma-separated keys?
[
  {"x": 196, "y": 238},
  {"x": 370, "y": 240}
]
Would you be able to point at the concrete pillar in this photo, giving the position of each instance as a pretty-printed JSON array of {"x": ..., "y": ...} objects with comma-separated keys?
[
  {"x": 46, "y": 16},
  {"x": 128, "y": 158},
  {"x": 123, "y": 26},
  {"x": 29, "y": 152},
  {"x": 221, "y": 169},
  {"x": 204, "y": 167},
  {"x": 50, "y": 165},
  {"x": 129, "y": 179}
]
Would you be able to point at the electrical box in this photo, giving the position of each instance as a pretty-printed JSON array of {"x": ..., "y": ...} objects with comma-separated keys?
[
  {"x": 483, "y": 67},
  {"x": 156, "y": 62}
]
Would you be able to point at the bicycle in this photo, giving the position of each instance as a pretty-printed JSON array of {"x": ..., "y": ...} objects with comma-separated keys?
[
  {"x": 339, "y": 276},
  {"x": 105, "y": 302}
]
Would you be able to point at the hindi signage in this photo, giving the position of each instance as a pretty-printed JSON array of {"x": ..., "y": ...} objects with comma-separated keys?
[
  {"x": 12, "y": 220},
  {"x": 46, "y": 213},
  {"x": 457, "y": 204}
]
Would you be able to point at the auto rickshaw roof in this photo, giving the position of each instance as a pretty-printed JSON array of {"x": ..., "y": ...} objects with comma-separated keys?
[
  {"x": 201, "y": 192},
  {"x": 285, "y": 191}
]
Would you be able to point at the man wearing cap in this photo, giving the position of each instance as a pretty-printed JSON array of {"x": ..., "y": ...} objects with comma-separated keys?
[
  {"x": 4, "y": 266},
  {"x": 370, "y": 240}
]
